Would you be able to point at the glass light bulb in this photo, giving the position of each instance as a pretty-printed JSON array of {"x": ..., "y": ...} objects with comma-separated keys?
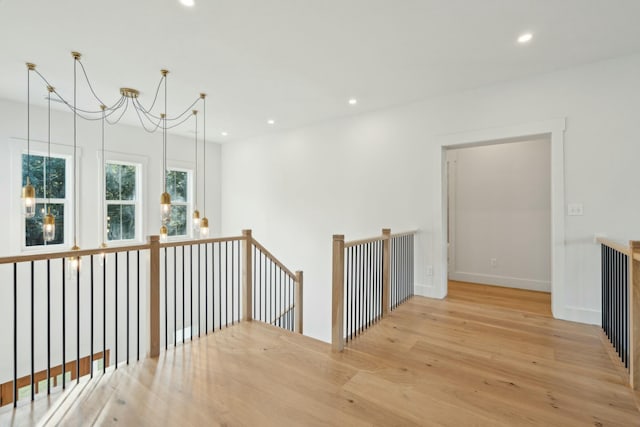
[
  {"x": 49, "y": 232},
  {"x": 204, "y": 232},
  {"x": 29, "y": 207},
  {"x": 165, "y": 213},
  {"x": 164, "y": 232},
  {"x": 196, "y": 223},
  {"x": 28, "y": 200},
  {"x": 48, "y": 226}
]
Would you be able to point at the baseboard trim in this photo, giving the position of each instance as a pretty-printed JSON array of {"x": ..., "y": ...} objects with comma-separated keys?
[
  {"x": 511, "y": 282},
  {"x": 583, "y": 315},
  {"x": 428, "y": 291}
]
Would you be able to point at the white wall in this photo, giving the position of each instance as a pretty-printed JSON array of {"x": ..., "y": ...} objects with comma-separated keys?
[
  {"x": 500, "y": 210},
  {"x": 122, "y": 141},
  {"x": 359, "y": 174}
]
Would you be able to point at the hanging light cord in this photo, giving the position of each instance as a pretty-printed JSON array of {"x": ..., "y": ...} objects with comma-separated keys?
[
  {"x": 164, "y": 139},
  {"x": 49, "y": 149},
  {"x": 75, "y": 165},
  {"x": 103, "y": 177},
  {"x": 123, "y": 101},
  {"x": 29, "y": 122},
  {"x": 196, "y": 159},
  {"x": 204, "y": 153}
]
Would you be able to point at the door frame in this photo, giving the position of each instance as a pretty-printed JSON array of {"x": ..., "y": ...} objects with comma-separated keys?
[{"x": 552, "y": 129}]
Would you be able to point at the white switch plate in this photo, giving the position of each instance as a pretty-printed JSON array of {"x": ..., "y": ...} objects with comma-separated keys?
[{"x": 574, "y": 209}]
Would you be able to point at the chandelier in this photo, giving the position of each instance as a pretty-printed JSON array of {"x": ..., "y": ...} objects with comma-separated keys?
[{"x": 152, "y": 121}]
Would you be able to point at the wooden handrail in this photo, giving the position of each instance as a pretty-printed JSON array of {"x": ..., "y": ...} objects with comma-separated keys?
[
  {"x": 201, "y": 241},
  {"x": 114, "y": 249},
  {"x": 620, "y": 247},
  {"x": 377, "y": 238},
  {"x": 274, "y": 259},
  {"x": 406, "y": 233},
  {"x": 338, "y": 279},
  {"x": 632, "y": 251},
  {"x": 67, "y": 254},
  {"x": 634, "y": 315},
  {"x": 363, "y": 241}
]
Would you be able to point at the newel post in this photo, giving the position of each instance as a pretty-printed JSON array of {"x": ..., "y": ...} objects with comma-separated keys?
[
  {"x": 386, "y": 271},
  {"x": 634, "y": 315},
  {"x": 247, "y": 275},
  {"x": 297, "y": 311},
  {"x": 154, "y": 296},
  {"x": 337, "y": 306}
]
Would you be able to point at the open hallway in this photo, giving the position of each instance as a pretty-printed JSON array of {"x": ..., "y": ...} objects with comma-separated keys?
[{"x": 484, "y": 356}]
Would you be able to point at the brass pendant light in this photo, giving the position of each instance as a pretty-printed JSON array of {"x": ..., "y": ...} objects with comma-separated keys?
[
  {"x": 103, "y": 245},
  {"x": 165, "y": 198},
  {"x": 74, "y": 261},
  {"x": 28, "y": 192},
  {"x": 196, "y": 213},
  {"x": 49, "y": 221},
  {"x": 204, "y": 222}
]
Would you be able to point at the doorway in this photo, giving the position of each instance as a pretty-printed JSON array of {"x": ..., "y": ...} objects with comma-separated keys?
[
  {"x": 552, "y": 129},
  {"x": 499, "y": 214}
]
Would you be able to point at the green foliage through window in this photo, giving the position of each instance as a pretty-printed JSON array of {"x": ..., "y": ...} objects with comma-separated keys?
[
  {"x": 120, "y": 181},
  {"x": 121, "y": 222},
  {"x": 121, "y": 195},
  {"x": 34, "y": 236},
  {"x": 48, "y": 177},
  {"x": 40, "y": 166},
  {"x": 177, "y": 187}
]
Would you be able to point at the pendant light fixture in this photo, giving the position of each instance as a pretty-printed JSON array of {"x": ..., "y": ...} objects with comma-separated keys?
[
  {"x": 74, "y": 261},
  {"x": 204, "y": 222},
  {"x": 165, "y": 198},
  {"x": 196, "y": 212},
  {"x": 104, "y": 186},
  {"x": 49, "y": 221},
  {"x": 28, "y": 192}
]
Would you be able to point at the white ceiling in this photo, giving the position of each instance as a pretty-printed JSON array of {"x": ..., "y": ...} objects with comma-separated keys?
[{"x": 299, "y": 61}]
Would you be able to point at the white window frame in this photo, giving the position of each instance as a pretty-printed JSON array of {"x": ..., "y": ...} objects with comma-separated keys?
[
  {"x": 137, "y": 202},
  {"x": 40, "y": 149},
  {"x": 188, "y": 203},
  {"x": 68, "y": 178}
]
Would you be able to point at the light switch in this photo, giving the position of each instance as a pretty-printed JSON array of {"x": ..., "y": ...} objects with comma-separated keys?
[{"x": 574, "y": 209}]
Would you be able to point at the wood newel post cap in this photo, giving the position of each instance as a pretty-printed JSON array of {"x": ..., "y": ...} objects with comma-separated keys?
[
  {"x": 154, "y": 238},
  {"x": 338, "y": 237},
  {"x": 299, "y": 274},
  {"x": 634, "y": 244},
  {"x": 386, "y": 231},
  {"x": 246, "y": 233}
]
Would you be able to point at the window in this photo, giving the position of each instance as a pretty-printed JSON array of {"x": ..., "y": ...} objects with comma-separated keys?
[
  {"x": 178, "y": 189},
  {"x": 121, "y": 195},
  {"x": 48, "y": 177}
]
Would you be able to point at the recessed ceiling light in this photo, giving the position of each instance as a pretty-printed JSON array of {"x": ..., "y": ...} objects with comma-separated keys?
[
  {"x": 188, "y": 3},
  {"x": 224, "y": 133},
  {"x": 271, "y": 122},
  {"x": 353, "y": 101},
  {"x": 525, "y": 38}
]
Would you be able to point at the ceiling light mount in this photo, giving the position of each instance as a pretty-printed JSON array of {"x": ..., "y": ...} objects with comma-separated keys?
[
  {"x": 129, "y": 92},
  {"x": 76, "y": 55}
]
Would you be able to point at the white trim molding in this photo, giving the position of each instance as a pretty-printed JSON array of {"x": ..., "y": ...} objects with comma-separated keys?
[{"x": 552, "y": 129}]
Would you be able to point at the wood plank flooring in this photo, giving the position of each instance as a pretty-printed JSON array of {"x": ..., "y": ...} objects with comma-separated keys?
[{"x": 484, "y": 356}]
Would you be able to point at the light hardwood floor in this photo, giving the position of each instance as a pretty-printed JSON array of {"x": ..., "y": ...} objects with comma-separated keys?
[{"x": 485, "y": 356}]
